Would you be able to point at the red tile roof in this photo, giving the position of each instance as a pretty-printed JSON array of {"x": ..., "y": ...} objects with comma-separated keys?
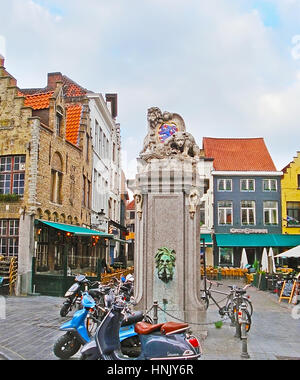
[
  {"x": 73, "y": 112},
  {"x": 244, "y": 154},
  {"x": 38, "y": 101},
  {"x": 73, "y": 117},
  {"x": 71, "y": 88},
  {"x": 131, "y": 205}
]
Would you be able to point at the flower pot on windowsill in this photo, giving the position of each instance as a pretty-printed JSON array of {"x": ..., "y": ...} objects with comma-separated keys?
[{"x": 6, "y": 198}]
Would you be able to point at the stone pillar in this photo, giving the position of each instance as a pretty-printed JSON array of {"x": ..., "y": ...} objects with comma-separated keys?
[
  {"x": 26, "y": 251},
  {"x": 167, "y": 191},
  {"x": 166, "y": 218}
]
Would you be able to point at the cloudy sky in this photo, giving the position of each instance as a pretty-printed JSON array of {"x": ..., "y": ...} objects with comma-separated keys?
[{"x": 230, "y": 68}]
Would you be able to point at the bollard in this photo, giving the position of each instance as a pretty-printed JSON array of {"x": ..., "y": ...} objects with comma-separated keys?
[
  {"x": 155, "y": 316},
  {"x": 237, "y": 324},
  {"x": 244, "y": 353}
]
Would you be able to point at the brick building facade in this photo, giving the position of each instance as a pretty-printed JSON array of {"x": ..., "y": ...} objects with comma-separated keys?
[{"x": 46, "y": 165}]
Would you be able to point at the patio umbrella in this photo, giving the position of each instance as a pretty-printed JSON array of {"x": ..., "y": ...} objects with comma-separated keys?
[
  {"x": 264, "y": 261},
  {"x": 244, "y": 260},
  {"x": 271, "y": 256},
  {"x": 293, "y": 252}
]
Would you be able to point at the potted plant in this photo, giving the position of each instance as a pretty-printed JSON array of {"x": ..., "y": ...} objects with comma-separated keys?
[
  {"x": 256, "y": 267},
  {"x": 262, "y": 281}
]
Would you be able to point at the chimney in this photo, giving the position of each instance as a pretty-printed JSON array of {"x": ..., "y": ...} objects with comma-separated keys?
[
  {"x": 112, "y": 99},
  {"x": 52, "y": 79},
  {"x": 2, "y": 60}
]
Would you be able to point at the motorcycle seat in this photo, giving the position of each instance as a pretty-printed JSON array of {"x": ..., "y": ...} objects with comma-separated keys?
[
  {"x": 133, "y": 318},
  {"x": 173, "y": 327},
  {"x": 144, "y": 328}
]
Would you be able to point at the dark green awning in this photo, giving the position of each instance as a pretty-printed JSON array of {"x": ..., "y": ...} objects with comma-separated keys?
[
  {"x": 76, "y": 230},
  {"x": 257, "y": 240},
  {"x": 207, "y": 238}
]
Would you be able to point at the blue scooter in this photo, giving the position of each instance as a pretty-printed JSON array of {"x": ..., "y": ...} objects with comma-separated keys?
[
  {"x": 77, "y": 334},
  {"x": 170, "y": 340}
]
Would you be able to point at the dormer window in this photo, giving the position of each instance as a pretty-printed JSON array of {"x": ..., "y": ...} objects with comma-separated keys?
[
  {"x": 59, "y": 121},
  {"x": 56, "y": 179}
]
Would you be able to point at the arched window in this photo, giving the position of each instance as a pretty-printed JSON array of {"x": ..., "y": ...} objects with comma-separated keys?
[
  {"x": 56, "y": 179},
  {"x": 47, "y": 215},
  {"x": 39, "y": 213}
]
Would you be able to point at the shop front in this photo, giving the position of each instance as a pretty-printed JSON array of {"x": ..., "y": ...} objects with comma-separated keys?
[
  {"x": 228, "y": 247},
  {"x": 62, "y": 251},
  {"x": 207, "y": 248}
]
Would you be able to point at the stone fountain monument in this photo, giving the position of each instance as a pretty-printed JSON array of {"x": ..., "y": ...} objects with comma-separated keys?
[{"x": 167, "y": 191}]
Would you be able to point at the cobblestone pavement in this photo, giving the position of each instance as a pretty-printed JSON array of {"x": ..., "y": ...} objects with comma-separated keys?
[
  {"x": 274, "y": 333},
  {"x": 31, "y": 326}
]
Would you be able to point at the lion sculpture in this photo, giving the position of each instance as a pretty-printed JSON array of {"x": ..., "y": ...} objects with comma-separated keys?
[{"x": 182, "y": 143}]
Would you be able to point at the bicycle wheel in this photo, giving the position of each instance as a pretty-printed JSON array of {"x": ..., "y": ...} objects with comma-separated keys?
[
  {"x": 247, "y": 318},
  {"x": 249, "y": 305},
  {"x": 231, "y": 307},
  {"x": 205, "y": 301}
]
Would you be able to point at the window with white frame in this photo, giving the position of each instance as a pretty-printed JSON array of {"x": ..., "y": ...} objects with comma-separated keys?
[
  {"x": 270, "y": 212},
  {"x": 59, "y": 121},
  {"x": 247, "y": 213},
  {"x": 12, "y": 175},
  {"x": 247, "y": 184},
  {"x": 225, "y": 213},
  {"x": 224, "y": 184},
  {"x": 96, "y": 140},
  {"x": 270, "y": 184},
  {"x": 9, "y": 237},
  {"x": 202, "y": 213}
]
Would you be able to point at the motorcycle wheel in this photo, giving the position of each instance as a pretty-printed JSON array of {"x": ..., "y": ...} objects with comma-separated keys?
[
  {"x": 66, "y": 346},
  {"x": 65, "y": 310},
  {"x": 131, "y": 347}
]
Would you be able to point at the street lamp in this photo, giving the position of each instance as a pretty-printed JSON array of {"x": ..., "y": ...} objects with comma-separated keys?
[{"x": 102, "y": 219}]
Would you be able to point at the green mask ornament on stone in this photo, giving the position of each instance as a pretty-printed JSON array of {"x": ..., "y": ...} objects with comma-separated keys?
[{"x": 165, "y": 263}]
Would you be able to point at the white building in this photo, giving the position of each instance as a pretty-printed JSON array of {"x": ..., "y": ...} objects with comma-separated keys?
[
  {"x": 106, "y": 192},
  {"x": 207, "y": 210}
]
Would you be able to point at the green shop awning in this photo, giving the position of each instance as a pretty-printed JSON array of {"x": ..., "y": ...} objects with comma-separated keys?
[
  {"x": 76, "y": 230},
  {"x": 207, "y": 238},
  {"x": 257, "y": 240}
]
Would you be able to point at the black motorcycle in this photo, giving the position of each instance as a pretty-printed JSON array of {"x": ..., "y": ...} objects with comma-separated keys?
[{"x": 73, "y": 294}]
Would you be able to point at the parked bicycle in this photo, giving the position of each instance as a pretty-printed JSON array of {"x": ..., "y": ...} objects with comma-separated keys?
[
  {"x": 235, "y": 297},
  {"x": 239, "y": 311}
]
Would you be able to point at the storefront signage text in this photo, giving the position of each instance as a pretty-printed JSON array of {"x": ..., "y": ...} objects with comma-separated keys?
[{"x": 248, "y": 231}]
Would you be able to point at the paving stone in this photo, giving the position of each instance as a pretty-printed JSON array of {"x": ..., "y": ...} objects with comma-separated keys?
[{"x": 32, "y": 326}]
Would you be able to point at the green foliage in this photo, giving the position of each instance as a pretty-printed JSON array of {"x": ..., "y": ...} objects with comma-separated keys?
[
  {"x": 256, "y": 265},
  {"x": 10, "y": 197}
]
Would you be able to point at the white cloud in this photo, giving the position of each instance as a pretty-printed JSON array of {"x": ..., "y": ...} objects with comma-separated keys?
[{"x": 214, "y": 62}]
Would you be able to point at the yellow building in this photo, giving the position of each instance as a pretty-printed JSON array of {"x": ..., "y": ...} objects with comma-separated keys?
[{"x": 290, "y": 193}]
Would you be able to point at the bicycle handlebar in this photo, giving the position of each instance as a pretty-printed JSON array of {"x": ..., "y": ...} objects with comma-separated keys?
[{"x": 214, "y": 283}]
